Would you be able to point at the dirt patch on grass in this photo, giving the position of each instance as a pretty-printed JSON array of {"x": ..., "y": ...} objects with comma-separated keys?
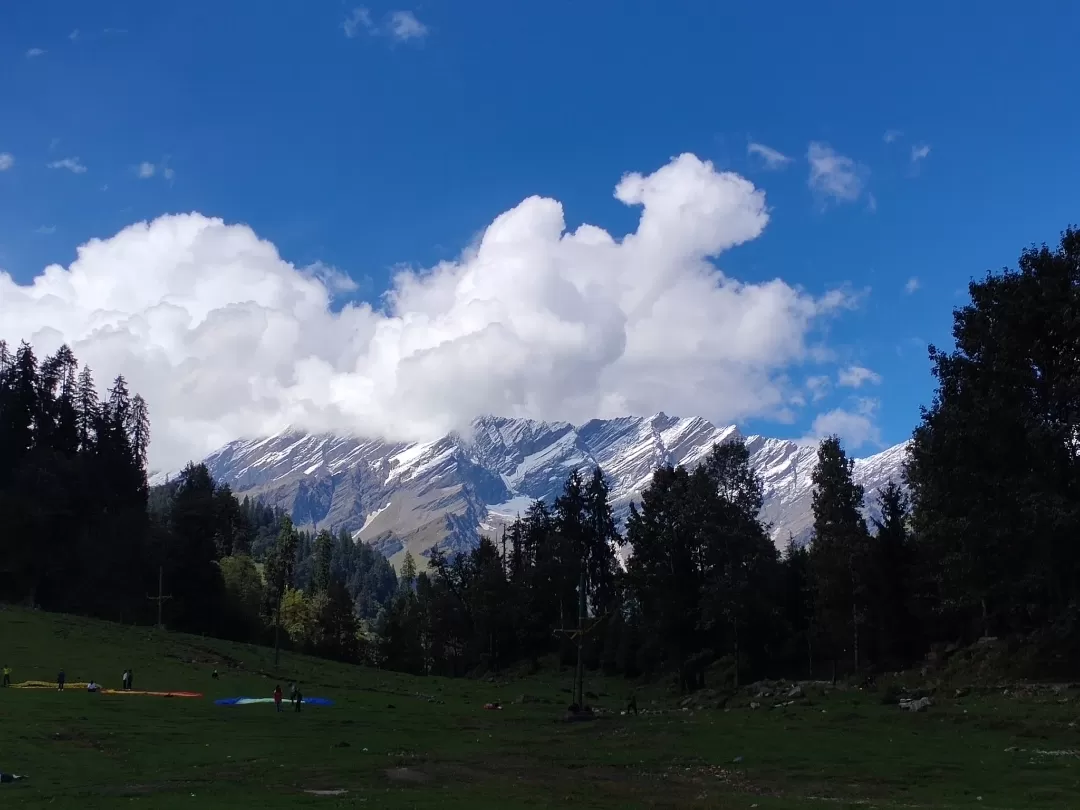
[
  {"x": 76, "y": 738},
  {"x": 410, "y": 776}
]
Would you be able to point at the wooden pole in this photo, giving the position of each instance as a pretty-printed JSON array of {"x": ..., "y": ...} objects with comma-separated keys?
[
  {"x": 579, "y": 675},
  {"x": 161, "y": 598}
]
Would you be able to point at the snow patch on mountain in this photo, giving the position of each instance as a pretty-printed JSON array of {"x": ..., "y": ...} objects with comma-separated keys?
[{"x": 446, "y": 492}]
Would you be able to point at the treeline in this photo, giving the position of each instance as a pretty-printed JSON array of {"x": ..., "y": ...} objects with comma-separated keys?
[
  {"x": 81, "y": 531},
  {"x": 982, "y": 540},
  {"x": 704, "y": 588}
]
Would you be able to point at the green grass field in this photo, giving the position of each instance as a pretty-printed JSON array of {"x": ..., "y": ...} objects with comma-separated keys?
[{"x": 395, "y": 741}]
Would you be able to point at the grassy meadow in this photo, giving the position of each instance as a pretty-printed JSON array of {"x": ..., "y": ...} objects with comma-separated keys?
[{"x": 395, "y": 741}]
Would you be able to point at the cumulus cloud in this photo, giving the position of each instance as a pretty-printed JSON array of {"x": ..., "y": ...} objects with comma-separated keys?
[
  {"x": 856, "y": 377},
  {"x": 834, "y": 176},
  {"x": 920, "y": 152},
  {"x": 773, "y": 158},
  {"x": 72, "y": 164},
  {"x": 145, "y": 170},
  {"x": 35, "y": 52},
  {"x": 7, "y": 160},
  {"x": 855, "y": 426},
  {"x": 911, "y": 285},
  {"x": 225, "y": 338}
]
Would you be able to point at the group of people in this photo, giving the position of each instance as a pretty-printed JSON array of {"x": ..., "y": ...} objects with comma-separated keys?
[
  {"x": 93, "y": 686},
  {"x": 295, "y": 695}
]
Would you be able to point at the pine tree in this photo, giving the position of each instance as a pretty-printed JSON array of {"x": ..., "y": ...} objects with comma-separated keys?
[
  {"x": 86, "y": 409},
  {"x": 279, "y": 574},
  {"x": 839, "y": 549},
  {"x": 891, "y": 573},
  {"x": 324, "y": 546}
]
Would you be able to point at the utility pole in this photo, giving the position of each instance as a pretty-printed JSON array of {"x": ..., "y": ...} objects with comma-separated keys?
[{"x": 161, "y": 598}]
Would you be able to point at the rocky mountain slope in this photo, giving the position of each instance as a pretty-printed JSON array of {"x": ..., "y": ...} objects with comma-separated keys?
[{"x": 414, "y": 496}]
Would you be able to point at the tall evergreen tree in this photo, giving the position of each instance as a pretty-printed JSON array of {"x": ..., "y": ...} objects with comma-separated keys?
[
  {"x": 839, "y": 552},
  {"x": 891, "y": 576},
  {"x": 996, "y": 456}
]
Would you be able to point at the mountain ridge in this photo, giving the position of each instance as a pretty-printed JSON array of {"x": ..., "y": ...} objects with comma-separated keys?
[{"x": 413, "y": 496}]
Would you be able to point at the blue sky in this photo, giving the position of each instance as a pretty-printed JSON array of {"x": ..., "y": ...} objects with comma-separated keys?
[{"x": 399, "y": 144}]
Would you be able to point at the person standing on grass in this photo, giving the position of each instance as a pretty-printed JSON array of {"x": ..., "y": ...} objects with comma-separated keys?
[
  {"x": 277, "y": 697},
  {"x": 60, "y": 678},
  {"x": 7, "y": 675},
  {"x": 292, "y": 692},
  {"x": 131, "y": 677},
  {"x": 298, "y": 700}
]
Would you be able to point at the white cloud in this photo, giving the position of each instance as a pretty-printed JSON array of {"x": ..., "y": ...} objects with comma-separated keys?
[
  {"x": 7, "y": 160},
  {"x": 911, "y": 285},
  {"x": 892, "y": 135},
  {"x": 359, "y": 18},
  {"x": 834, "y": 176},
  {"x": 856, "y": 427},
  {"x": 45, "y": 230},
  {"x": 146, "y": 170},
  {"x": 225, "y": 338},
  {"x": 74, "y": 35},
  {"x": 35, "y": 52},
  {"x": 856, "y": 376},
  {"x": 773, "y": 158},
  {"x": 920, "y": 152},
  {"x": 818, "y": 386},
  {"x": 72, "y": 164},
  {"x": 404, "y": 26},
  {"x": 399, "y": 25}
]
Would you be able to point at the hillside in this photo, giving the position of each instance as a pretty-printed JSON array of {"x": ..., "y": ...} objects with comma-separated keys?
[
  {"x": 413, "y": 496},
  {"x": 395, "y": 741}
]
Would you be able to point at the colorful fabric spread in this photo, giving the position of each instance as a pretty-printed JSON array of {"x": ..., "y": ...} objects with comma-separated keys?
[
  {"x": 83, "y": 686},
  {"x": 152, "y": 694},
  {"x": 244, "y": 701}
]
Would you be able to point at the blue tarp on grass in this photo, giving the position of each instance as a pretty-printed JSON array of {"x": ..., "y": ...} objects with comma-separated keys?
[{"x": 244, "y": 701}]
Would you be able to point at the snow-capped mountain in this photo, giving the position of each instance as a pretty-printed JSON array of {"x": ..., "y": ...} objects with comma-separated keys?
[{"x": 402, "y": 496}]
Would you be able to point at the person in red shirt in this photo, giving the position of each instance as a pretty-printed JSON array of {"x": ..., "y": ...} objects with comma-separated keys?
[{"x": 277, "y": 697}]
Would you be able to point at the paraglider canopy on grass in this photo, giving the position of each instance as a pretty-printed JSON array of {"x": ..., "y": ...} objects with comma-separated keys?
[{"x": 244, "y": 701}]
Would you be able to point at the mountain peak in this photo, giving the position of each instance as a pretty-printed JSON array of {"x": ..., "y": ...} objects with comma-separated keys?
[{"x": 416, "y": 495}]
